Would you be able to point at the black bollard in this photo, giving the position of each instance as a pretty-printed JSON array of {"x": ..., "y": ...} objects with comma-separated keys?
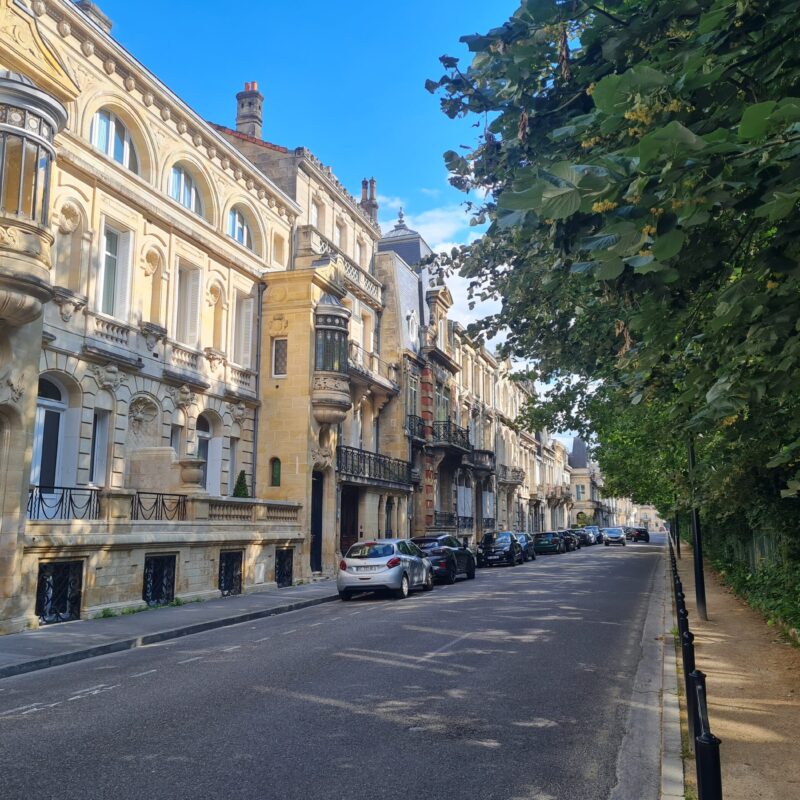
[
  {"x": 709, "y": 771},
  {"x": 687, "y": 650}
]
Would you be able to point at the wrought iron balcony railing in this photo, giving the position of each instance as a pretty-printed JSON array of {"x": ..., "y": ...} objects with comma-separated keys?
[
  {"x": 507, "y": 474},
  {"x": 447, "y": 432},
  {"x": 158, "y": 506},
  {"x": 488, "y": 523},
  {"x": 371, "y": 466},
  {"x": 444, "y": 519},
  {"x": 416, "y": 426},
  {"x": 63, "y": 502},
  {"x": 465, "y": 523}
]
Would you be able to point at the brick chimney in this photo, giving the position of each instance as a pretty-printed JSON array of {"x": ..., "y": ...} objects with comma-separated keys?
[
  {"x": 369, "y": 202},
  {"x": 250, "y": 110}
]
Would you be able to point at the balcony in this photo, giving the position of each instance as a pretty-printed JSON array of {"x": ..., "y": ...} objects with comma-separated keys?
[
  {"x": 465, "y": 523},
  {"x": 63, "y": 502},
  {"x": 416, "y": 427},
  {"x": 448, "y": 434},
  {"x": 370, "y": 370},
  {"x": 510, "y": 475},
  {"x": 482, "y": 460},
  {"x": 489, "y": 524},
  {"x": 361, "y": 466},
  {"x": 444, "y": 519},
  {"x": 158, "y": 506}
]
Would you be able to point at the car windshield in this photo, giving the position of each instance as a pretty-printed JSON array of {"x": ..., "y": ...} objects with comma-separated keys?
[
  {"x": 546, "y": 536},
  {"x": 370, "y": 550},
  {"x": 614, "y": 531},
  {"x": 495, "y": 538},
  {"x": 425, "y": 542}
]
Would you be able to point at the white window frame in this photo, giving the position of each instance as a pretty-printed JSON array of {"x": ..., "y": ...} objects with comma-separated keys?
[
  {"x": 130, "y": 158},
  {"x": 272, "y": 366},
  {"x": 187, "y": 305},
  {"x": 98, "y": 456},
  {"x": 120, "y": 301},
  {"x": 183, "y": 189},
  {"x": 239, "y": 228},
  {"x": 244, "y": 325}
]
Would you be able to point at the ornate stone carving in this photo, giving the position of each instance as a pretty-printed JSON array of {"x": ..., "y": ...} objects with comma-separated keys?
[
  {"x": 152, "y": 334},
  {"x": 212, "y": 151},
  {"x": 238, "y": 411},
  {"x": 69, "y": 218},
  {"x": 213, "y": 294},
  {"x": 68, "y": 302},
  {"x": 151, "y": 262},
  {"x": 87, "y": 47},
  {"x": 64, "y": 28},
  {"x": 330, "y": 383},
  {"x": 237, "y": 174},
  {"x": 141, "y": 412},
  {"x": 148, "y": 99},
  {"x": 12, "y": 386},
  {"x": 197, "y": 140},
  {"x": 182, "y": 126},
  {"x": 278, "y": 325},
  {"x": 182, "y": 396},
  {"x": 107, "y": 376},
  {"x": 250, "y": 183},
  {"x": 110, "y": 66},
  {"x": 130, "y": 83},
  {"x": 322, "y": 458},
  {"x": 39, "y": 8},
  {"x": 165, "y": 113},
  {"x": 225, "y": 162},
  {"x": 215, "y": 358},
  {"x": 262, "y": 193},
  {"x": 9, "y": 236}
]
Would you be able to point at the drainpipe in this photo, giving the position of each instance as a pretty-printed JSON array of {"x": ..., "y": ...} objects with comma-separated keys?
[{"x": 259, "y": 325}]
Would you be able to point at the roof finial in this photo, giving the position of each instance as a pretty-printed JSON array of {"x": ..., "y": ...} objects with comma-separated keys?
[{"x": 401, "y": 220}]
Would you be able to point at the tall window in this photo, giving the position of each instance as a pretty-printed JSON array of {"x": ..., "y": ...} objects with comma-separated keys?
[
  {"x": 339, "y": 235},
  {"x": 209, "y": 448},
  {"x": 187, "y": 317},
  {"x": 183, "y": 188},
  {"x": 48, "y": 435},
  {"x": 360, "y": 249},
  {"x": 275, "y": 472},
  {"x": 413, "y": 394},
  {"x": 280, "y": 357},
  {"x": 315, "y": 214},
  {"x": 233, "y": 463},
  {"x": 99, "y": 451},
  {"x": 243, "y": 345},
  {"x": 442, "y": 403},
  {"x": 112, "y": 279},
  {"x": 279, "y": 250},
  {"x": 110, "y": 136},
  {"x": 239, "y": 229},
  {"x": 580, "y": 492}
]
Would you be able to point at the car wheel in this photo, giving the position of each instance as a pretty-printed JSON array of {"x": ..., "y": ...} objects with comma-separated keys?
[
  {"x": 512, "y": 562},
  {"x": 606, "y": 544},
  {"x": 344, "y": 595},
  {"x": 428, "y": 585},
  {"x": 451, "y": 574},
  {"x": 623, "y": 543},
  {"x": 402, "y": 592},
  {"x": 471, "y": 571},
  {"x": 533, "y": 556}
]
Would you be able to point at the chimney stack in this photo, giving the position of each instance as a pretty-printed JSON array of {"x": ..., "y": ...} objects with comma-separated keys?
[
  {"x": 368, "y": 202},
  {"x": 364, "y": 184},
  {"x": 250, "y": 110}
]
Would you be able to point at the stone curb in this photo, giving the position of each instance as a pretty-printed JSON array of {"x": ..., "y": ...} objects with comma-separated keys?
[
  {"x": 158, "y": 636},
  {"x": 672, "y": 784}
]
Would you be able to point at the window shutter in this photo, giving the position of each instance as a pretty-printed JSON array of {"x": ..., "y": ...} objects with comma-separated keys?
[
  {"x": 193, "y": 308},
  {"x": 245, "y": 332},
  {"x": 121, "y": 290}
]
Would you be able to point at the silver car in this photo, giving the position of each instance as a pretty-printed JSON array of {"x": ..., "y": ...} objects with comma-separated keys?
[
  {"x": 614, "y": 536},
  {"x": 394, "y": 565}
]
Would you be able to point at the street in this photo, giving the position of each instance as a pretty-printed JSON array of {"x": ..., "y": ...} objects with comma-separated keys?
[{"x": 515, "y": 685}]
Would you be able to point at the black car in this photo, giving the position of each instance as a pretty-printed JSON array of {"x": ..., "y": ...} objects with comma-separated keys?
[
  {"x": 640, "y": 535},
  {"x": 584, "y": 538},
  {"x": 570, "y": 540},
  {"x": 499, "y": 548},
  {"x": 448, "y": 556},
  {"x": 549, "y": 542},
  {"x": 526, "y": 542}
]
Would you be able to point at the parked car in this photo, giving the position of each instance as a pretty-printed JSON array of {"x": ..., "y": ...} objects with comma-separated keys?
[
  {"x": 548, "y": 542},
  {"x": 640, "y": 535},
  {"x": 526, "y": 542},
  {"x": 448, "y": 556},
  {"x": 499, "y": 548},
  {"x": 614, "y": 536},
  {"x": 394, "y": 565},
  {"x": 584, "y": 537},
  {"x": 628, "y": 532},
  {"x": 570, "y": 540},
  {"x": 598, "y": 536}
]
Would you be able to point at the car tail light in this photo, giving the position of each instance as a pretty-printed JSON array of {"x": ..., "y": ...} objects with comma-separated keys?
[
  {"x": 343, "y": 565},
  {"x": 393, "y": 562}
]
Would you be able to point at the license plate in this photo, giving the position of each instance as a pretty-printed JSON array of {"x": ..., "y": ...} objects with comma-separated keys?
[
  {"x": 494, "y": 558},
  {"x": 367, "y": 569}
]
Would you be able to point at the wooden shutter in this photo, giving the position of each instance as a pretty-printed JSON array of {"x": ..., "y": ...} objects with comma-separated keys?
[
  {"x": 121, "y": 290},
  {"x": 193, "y": 307},
  {"x": 244, "y": 332}
]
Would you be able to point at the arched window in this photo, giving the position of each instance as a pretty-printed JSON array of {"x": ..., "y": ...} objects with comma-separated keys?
[
  {"x": 275, "y": 472},
  {"x": 183, "y": 188},
  {"x": 239, "y": 229},
  {"x": 209, "y": 448},
  {"x": 111, "y": 137}
]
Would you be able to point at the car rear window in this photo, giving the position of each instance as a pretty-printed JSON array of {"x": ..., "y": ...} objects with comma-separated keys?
[
  {"x": 425, "y": 542},
  {"x": 545, "y": 537},
  {"x": 370, "y": 550}
]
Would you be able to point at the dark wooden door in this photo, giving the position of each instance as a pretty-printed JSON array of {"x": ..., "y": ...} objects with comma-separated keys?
[
  {"x": 317, "y": 485},
  {"x": 349, "y": 530}
]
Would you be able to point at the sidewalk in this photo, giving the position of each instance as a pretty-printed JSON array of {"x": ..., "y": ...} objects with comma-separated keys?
[
  {"x": 753, "y": 682},
  {"x": 66, "y": 642}
]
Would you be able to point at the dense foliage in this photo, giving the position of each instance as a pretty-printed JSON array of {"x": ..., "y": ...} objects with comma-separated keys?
[
  {"x": 240, "y": 487},
  {"x": 639, "y": 163}
]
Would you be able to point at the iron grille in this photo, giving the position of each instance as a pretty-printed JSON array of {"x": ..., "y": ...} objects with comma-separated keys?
[
  {"x": 372, "y": 466},
  {"x": 230, "y": 572},
  {"x": 58, "y": 591},
  {"x": 488, "y": 523},
  {"x": 416, "y": 426},
  {"x": 283, "y": 567},
  {"x": 159, "y": 580},
  {"x": 444, "y": 519},
  {"x": 63, "y": 502},
  {"x": 157, "y": 506},
  {"x": 447, "y": 432},
  {"x": 465, "y": 523}
]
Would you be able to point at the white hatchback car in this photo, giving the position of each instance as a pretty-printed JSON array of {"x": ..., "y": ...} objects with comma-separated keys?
[
  {"x": 394, "y": 565},
  {"x": 614, "y": 536}
]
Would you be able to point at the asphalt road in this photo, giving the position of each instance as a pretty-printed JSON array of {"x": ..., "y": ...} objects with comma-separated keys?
[{"x": 514, "y": 686}]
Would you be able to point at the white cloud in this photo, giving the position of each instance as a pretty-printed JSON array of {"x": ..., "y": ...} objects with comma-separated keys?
[
  {"x": 441, "y": 225},
  {"x": 390, "y": 203},
  {"x": 430, "y": 192}
]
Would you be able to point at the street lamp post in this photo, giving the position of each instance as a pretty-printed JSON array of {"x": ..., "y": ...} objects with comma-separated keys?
[{"x": 699, "y": 577}]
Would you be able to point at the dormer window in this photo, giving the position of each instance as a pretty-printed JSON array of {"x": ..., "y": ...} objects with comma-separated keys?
[
  {"x": 183, "y": 188},
  {"x": 239, "y": 229},
  {"x": 111, "y": 137}
]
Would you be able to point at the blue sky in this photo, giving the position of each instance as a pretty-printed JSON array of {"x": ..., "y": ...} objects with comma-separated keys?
[{"x": 345, "y": 79}]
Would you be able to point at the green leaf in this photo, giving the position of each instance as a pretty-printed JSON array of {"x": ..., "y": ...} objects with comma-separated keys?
[
  {"x": 668, "y": 144},
  {"x": 559, "y": 202},
  {"x": 779, "y": 206},
  {"x": 601, "y": 241},
  {"x": 755, "y": 120},
  {"x": 609, "y": 269},
  {"x": 669, "y": 245},
  {"x": 523, "y": 201}
]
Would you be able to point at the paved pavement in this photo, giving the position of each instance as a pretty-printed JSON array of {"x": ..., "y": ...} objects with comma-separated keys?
[
  {"x": 525, "y": 684},
  {"x": 53, "y": 645}
]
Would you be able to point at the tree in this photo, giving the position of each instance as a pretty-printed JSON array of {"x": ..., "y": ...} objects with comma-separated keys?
[{"x": 240, "y": 489}]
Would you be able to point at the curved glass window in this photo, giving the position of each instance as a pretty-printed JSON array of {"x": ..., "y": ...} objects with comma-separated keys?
[
  {"x": 110, "y": 136},
  {"x": 239, "y": 229},
  {"x": 183, "y": 188},
  {"x": 331, "y": 355}
]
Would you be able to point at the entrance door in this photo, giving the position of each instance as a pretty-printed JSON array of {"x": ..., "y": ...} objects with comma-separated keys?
[
  {"x": 349, "y": 526},
  {"x": 317, "y": 485}
]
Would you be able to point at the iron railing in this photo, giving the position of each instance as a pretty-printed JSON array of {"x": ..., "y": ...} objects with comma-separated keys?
[
  {"x": 488, "y": 523},
  {"x": 465, "y": 523},
  {"x": 359, "y": 463},
  {"x": 507, "y": 474},
  {"x": 416, "y": 426},
  {"x": 63, "y": 502},
  {"x": 444, "y": 519},
  {"x": 447, "y": 432},
  {"x": 157, "y": 506},
  {"x": 370, "y": 363}
]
